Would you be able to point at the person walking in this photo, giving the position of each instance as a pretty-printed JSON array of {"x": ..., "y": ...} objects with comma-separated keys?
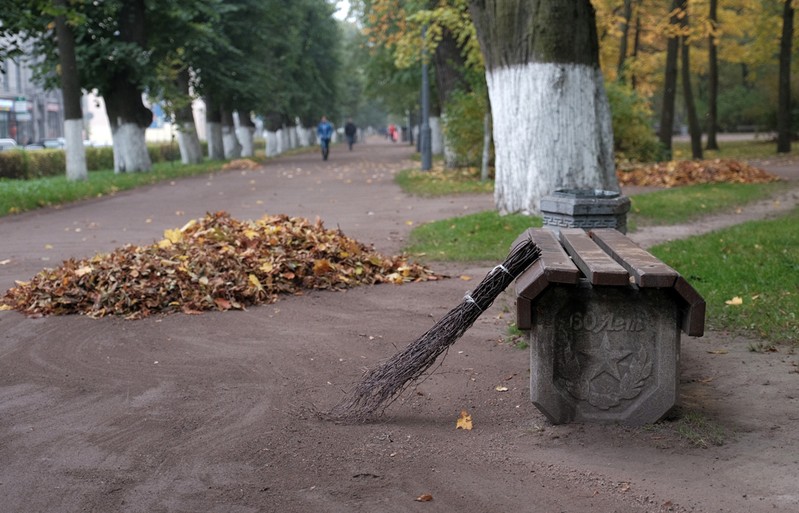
[
  {"x": 350, "y": 130},
  {"x": 324, "y": 131}
]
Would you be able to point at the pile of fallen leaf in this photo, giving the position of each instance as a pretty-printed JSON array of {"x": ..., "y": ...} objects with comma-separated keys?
[
  {"x": 214, "y": 263},
  {"x": 686, "y": 172}
]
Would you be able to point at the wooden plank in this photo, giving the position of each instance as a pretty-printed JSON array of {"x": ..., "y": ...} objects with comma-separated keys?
[
  {"x": 558, "y": 267},
  {"x": 596, "y": 265},
  {"x": 692, "y": 308},
  {"x": 524, "y": 313},
  {"x": 532, "y": 282},
  {"x": 646, "y": 268}
]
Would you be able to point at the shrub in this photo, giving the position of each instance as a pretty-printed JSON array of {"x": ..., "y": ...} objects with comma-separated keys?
[
  {"x": 43, "y": 163},
  {"x": 99, "y": 158},
  {"x": 633, "y": 137},
  {"x": 463, "y": 125},
  {"x": 13, "y": 164}
]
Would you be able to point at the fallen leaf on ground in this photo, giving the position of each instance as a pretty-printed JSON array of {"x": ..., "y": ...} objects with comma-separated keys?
[
  {"x": 735, "y": 301},
  {"x": 214, "y": 263},
  {"x": 685, "y": 172},
  {"x": 425, "y": 497},
  {"x": 718, "y": 351},
  {"x": 464, "y": 421},
  {"x": 501, "y": 389}
]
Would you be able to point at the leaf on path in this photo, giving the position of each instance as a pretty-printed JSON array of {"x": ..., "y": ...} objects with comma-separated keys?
[
  {"x": 464, "y": 421},
  {"x": 735, "y": 301},
  {"x": 718, "y": 351},
  {"x": 676, "y": 173},
  {"x": 500, "y": 388},
  {"x": 425, "y": 497},
  {"x": 213, "y": 263}
]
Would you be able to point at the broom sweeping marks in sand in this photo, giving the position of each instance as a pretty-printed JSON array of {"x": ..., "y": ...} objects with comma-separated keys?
[{"x": 381, "y": 386}]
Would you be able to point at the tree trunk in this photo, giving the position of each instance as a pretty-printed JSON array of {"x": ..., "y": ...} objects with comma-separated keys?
[
  {"x": 784, "y": 131},
  {"x": 70, "y": 87},
  {"x": 232, "y": 148},
  {"x": 636, "y": 43},
  {"x": 625, "y": 31},
  {"x": 128, "y": 116},
  {"x": 213, "y": 128},
  {"x": 688, "y": 95},
  {"x": 486, "y": 147},
  {"x": 669, "y": 85},
  {"x": 245, "y": 133},
  {"x": 713, "y": 80},
  {"x": 190, "y": 150},
  {"x": 552, "y": 124}
]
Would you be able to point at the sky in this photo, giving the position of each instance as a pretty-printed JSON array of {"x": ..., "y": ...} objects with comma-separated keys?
[{"x": 343, "y": 9}]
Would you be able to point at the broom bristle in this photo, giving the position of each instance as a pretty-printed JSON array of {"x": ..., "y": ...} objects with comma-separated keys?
[{"x": 381, "y": 386}]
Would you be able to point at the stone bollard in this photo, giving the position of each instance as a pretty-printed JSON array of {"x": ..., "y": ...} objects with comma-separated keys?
[{"x": 586, "y": 209}]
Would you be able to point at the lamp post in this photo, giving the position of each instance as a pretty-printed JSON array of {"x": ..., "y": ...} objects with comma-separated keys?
[{"x": 424, "y": 136}]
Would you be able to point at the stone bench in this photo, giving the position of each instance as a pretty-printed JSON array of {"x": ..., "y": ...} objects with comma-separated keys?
[{"x": 604, "y": 319}]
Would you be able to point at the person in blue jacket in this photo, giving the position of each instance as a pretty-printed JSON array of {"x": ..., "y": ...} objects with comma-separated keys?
[{"x": 325, "y": 132}]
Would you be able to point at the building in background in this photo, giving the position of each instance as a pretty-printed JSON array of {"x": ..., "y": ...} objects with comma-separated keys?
[{"x": 28, "y": 112}]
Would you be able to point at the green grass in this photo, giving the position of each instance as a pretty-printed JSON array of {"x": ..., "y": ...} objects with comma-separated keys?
[
  {"x": 684, "y": 204},
  {"x": 756, "y": 261},
  {"x": 476, "y": 237},
  {"x": 441, "y": 182},
  {"x": 22, "y": 195}
]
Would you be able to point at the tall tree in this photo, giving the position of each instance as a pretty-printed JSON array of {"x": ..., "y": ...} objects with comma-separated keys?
[
  {"x": 71, "y": 93},
  {"x": 688, "y": 95},
  {"x": 713, "y": 77},
  {"x": 625, "y": 34},
  {"x": 670, "y": 81},
  {"x": 560, "y": 136},
  {"x": 784, "y": 131}
]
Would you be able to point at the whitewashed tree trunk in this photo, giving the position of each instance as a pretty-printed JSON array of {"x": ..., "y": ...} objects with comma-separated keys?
[
  {"x": 230, "y": 142},
  {"x": 271, "y": 143},
  {"x": 436, "y": 136},
  {"x": 282, "y": 140},
  {"x": 190, "y": 150},
  {"x": 486, "y": 147},
  {"x": 75, "y": 152},
  {"x": 303, "y": 138},
  {"x": 245, "y": 136},
  {"x": 216, "y": 149},
  {"x": 552, "y": 124},
  {"x": 560, "y": 137},
  {"x": 130, "y": 148},
  {"x": 292, "y": 133}
]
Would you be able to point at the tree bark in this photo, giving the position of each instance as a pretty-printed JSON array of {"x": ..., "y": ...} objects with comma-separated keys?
[
  {"x": 552, "y": 125},
  {"x": 688, "y": 95},
  {"x": 486, "y": 147},
  {"x": 128, "y": 116},
  {"x": 70, "y": 88},
  {"x": 784, "y": 131},
  {"x": 213, "y": 127},
  {"x": 189, "y": 143},
  {"x": 625, "y": 31},
  {"x": 669, "y": 86},
  {"x": 245, "y": 133},
  {"x": 232, "y": 148},
  {"x": 636, "y": 43},
  {"x": 713, "y": 80}
]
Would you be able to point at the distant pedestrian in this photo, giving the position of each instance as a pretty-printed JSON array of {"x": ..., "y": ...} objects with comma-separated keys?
[
  {"x": 325, "y": 132},
  {"x": 350, "y": 130},
  {"x": 392, "y": 132}
]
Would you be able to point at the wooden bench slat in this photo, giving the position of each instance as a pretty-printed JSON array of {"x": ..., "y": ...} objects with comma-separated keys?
[
  {"x": 596, "y": 265},
  {"x": 645, "y": 267},
  {"x": 558, "y": 267},
  {"x": 692, "y": 308}
]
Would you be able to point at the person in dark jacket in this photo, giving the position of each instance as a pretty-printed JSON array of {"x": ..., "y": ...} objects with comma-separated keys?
[{"x": 349, "y": 131}]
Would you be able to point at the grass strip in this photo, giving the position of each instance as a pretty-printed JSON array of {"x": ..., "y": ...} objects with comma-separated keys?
[
  {"x": 756, "y": 262},
  {"x": 23, "y": 195}
]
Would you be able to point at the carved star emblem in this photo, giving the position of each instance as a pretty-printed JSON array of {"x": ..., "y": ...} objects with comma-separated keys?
[{"x": 604, "y": 359}]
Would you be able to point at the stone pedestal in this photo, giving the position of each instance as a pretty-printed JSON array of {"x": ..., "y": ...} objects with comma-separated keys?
[
  {"x": 604, "y": 354},
  {"x": 586, "y": 209}
]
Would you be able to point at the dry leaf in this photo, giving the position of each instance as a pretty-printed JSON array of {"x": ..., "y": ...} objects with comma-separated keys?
[
  {"x": 500, "y": 388},
  {"x": 718, "y": 351},
  {"x": 465, "y": 277},
  {"x": 425, "y": 497},
  {"x": 6, "y": 261},
  {"x": 464, "y": 421},
  {"x": 735, "y": 301}
]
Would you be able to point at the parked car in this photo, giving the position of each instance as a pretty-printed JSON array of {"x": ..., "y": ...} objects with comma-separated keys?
[
  {"x": 58, "y": 142},
  {"x": 7, "y": 144}
]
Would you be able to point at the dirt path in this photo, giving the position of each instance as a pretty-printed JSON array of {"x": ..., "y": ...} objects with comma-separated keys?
[{"x": 213, "y": 412}]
